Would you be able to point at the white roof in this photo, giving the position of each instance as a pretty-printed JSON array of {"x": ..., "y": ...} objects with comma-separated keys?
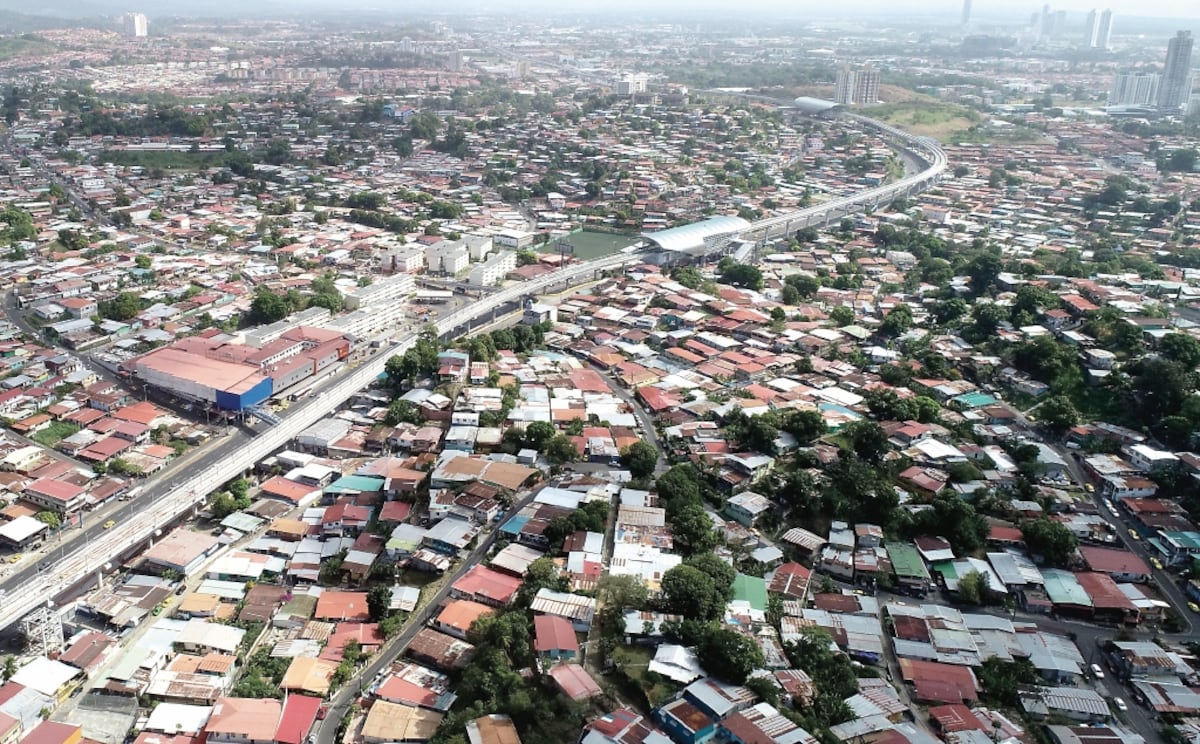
[
  {"x": 45, "y": 676},
  {"x": 677, "y": 663},
  {"x": 171, "y": 718},
  {"x": 22, "y": 528}
]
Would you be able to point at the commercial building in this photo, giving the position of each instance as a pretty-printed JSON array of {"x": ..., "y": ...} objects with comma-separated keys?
[
  {"x": 857, "y": 86},
  {"x": 1176, "y": 86},
  {"x": 213, "y": 368}
]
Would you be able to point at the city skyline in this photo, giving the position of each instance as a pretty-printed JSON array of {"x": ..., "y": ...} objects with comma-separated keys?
[{"x": 1183, "y": 10}]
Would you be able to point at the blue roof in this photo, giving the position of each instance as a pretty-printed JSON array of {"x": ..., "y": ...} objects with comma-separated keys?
[{"x": 690, "y": 238}]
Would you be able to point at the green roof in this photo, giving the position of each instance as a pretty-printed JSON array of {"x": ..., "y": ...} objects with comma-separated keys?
[
  {"x": 975, "y": 399},
  {"x": 355, "y": 484},
  {"x": 1063, "y": 588},
  {"x": 751, "y": 589},
  {"x": 906, "y": 561}
]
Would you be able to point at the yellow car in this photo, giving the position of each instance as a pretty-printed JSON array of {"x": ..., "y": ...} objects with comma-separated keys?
[
  {"x": 1089, "y": 488},
  {"x": 1194, "y": 607},
  {"x": 1133, "y": 533},
  {"x": 1156, "y": 563},
  {"x": 109, "y": 524},
  {"x": 15, "y": 558}
]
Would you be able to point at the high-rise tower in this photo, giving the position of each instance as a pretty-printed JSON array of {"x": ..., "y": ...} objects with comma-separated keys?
[
  {"x": 1091, "y": 29},
  {"x": 1176, "y": 85}
]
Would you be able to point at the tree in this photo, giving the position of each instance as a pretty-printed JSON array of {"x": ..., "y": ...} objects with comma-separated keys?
[
  {"x": 641, "y": 459},
  {"x": 805, "y": 424},
  {"x": 51, "y": 519},
  {"x": 729, "y": 655},
  {"x": 739, "y": 274},
  {"x": 222, "y": 505},
  {"x": 679, "y": 486},
  {"x": 690, "y": 592},
  {"x": 972, "y": 587},
  {"x": 561, "y": 449},
  {"x": 625, "y": 592},
  {"x": 841, "y": 316},
  {"x": 379, "y": 601},
  {"x": 1002, "y": 680},
  {"x": 1058, "y": 414},
  {"x": 125, "y": 306},
  {"x": 1179, "y": 347},
  {"x": 10, "y": 668},
  {"x": 1049, "y": 539},
  {"x": 831, "y": 671},
  {"x": 954, "y": 519},
  {"x": 716, "y": 569},
  {"x": 538, "y": 433},
  {"x": 867, "y": 439},
  {"x": 403, "y": 412},
  {"x": 898, "y": 321},
  {"x": 692, "y": 530},
  {"x": 541, "y": 574},
  {"x": 268, "y": 307},
  {"x": 983, "y": 270}
]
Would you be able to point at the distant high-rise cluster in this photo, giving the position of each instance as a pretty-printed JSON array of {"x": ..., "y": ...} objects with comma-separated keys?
[
  {"x": 966, "y": 13},
  {"x": 1097, "y": 33},
  {"x": 857, "y": 85},
  {"x": 1049, "y": 23},
  {"x": 1175, "y": 88},
  {"x": 134, "y": 25},
  {"x": 1134, "y": 89}
]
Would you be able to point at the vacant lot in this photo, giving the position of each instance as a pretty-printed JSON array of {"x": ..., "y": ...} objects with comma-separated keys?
[{"x": 942, "y": 121}]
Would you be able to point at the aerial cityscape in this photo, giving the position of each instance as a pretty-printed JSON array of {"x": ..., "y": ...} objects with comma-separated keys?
[{"x": 613, "y": 374}]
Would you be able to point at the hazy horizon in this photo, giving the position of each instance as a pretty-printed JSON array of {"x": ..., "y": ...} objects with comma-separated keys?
[{"x": 1183, "y": 10}]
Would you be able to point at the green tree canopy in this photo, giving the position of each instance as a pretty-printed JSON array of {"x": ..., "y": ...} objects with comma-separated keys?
[{"x": 640, "y": 457}]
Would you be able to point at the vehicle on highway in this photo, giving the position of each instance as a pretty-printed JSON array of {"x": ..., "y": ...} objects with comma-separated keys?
[
  {"x": 1133, "y": 534},
  {"x": 1097, "y": 672},
  {"x": 1121, "y": 706},
  {"x": 109, "y": 524}
]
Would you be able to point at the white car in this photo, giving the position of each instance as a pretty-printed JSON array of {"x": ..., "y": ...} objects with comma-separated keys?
[
  {"x": 1097, "y": 672},
  {"x": 1121, "y": 706}
]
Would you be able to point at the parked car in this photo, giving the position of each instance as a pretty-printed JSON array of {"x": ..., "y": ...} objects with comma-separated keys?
[
  {"x": 1097, "y": 672},
  {"x": 1133, "y": 534},
  {"x": 1121, "y": 706}
]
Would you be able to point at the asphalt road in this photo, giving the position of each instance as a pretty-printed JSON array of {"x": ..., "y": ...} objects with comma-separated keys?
[{"x": 341, "y": 702}]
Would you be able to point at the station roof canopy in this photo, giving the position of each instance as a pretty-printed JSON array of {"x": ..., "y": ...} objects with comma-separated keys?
[
  {"x": 813, "y": 106},
  {"x": 690, "y": 238}
]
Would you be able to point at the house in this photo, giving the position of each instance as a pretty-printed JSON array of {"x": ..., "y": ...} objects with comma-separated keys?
[
  {"x": 685, "y": 723},
  {"x": 493, "y": 729},
  {"x": 486, "y": 586},
  {"x": 554, "y": 638},
  {"x": 244, "y": 721},
  {"x": 719, "y": 699},
  {"x": 746, "y": 507},
  {"x": 458, "y": 615}
]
